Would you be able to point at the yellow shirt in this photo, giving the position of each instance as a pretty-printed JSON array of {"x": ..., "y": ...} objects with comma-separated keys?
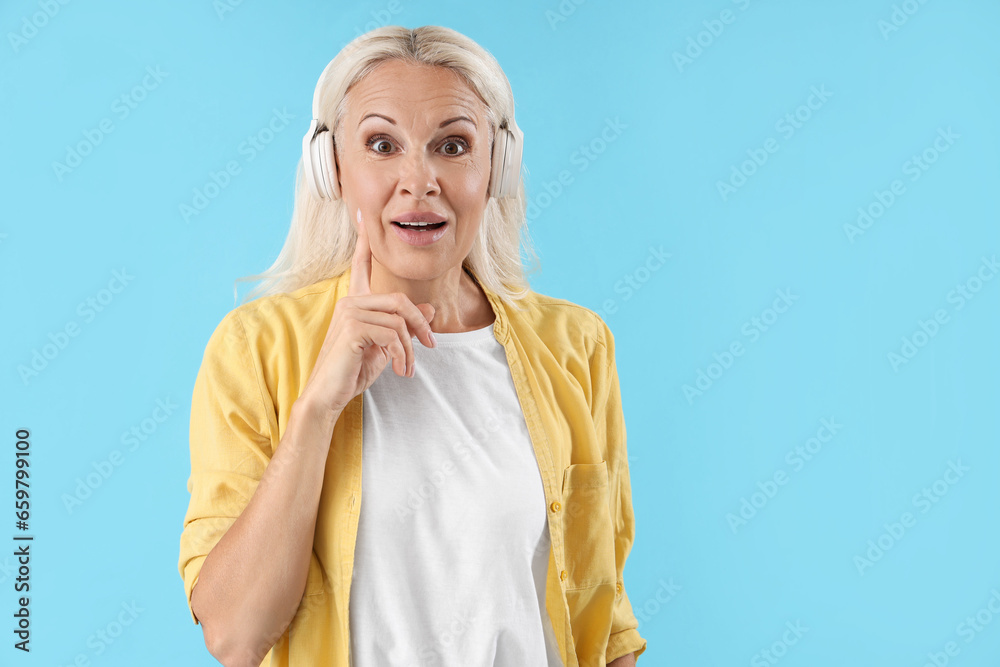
[{"x": 562, "y": 361}]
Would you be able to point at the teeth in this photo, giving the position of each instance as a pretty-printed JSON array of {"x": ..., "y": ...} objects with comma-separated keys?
[{"x": 417, "y": 224}]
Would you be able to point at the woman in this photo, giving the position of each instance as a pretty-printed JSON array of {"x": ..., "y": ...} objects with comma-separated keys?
[{"x": 497, "y": 511}]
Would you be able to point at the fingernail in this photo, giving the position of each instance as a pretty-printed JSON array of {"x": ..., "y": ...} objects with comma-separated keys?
[{"x": 430, "y": 334}]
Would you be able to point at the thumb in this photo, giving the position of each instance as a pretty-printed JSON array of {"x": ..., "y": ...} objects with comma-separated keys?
[{"x": 428, "y": 311}]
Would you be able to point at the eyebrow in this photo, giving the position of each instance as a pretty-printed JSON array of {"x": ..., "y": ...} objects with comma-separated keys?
[{"x": 443, "y": 124}]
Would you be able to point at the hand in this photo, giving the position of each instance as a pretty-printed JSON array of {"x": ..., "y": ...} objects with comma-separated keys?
[{"x": 366, "y": 330}]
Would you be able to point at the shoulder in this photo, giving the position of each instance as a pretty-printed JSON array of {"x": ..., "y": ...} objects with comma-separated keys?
[
  {"x": 559, "y": 322},
  {"x": 289, "y": 310},
  {"x": 277, "y": 317}
]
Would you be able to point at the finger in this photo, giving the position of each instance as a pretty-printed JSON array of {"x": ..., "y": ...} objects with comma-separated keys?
[
  {"x": 392, "y": 321},
  {"x": 387, "y": 340},
  {"x": 418, "y": 325},
  {"x": 361, "y": 265}
]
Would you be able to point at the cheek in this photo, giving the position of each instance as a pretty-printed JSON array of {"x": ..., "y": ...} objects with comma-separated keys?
[
  {"x": 365, "y": 182},
  {"x": 472, "y": 183},
  {"x": 368, "y": 188}
]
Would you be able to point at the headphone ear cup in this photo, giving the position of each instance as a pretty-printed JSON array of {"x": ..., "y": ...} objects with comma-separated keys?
[
  {"x": 505, "y": 175},
  {"x": 328, "y": 171},
  {"x": 514, "y": 147},
  {"x": 310, "y": 167},
  {"x": 316, "y": 167},
  {"x": 497, "y": 168}
]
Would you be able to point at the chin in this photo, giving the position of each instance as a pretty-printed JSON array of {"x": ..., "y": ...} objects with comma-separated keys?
[{"x": 418, "y": 270}]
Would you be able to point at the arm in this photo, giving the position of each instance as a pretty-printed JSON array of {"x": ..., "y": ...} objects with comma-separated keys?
[
  {"x": 248, "y": 533},
  {"x": 625, "y": 642},
  {"x": 627, "y": 660},
  {"x": 252, "y": 582}
]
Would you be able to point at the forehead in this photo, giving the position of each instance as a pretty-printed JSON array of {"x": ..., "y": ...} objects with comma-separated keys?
[{"x": 399, "y": 87}]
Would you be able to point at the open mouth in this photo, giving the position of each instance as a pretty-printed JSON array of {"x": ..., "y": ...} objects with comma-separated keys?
[{"x": 420, "y": 227}]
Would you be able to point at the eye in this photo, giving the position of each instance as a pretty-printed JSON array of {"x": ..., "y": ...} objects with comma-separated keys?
[
  {"x": 457, "y": 141},
  {"x": 378, "y": 139}
]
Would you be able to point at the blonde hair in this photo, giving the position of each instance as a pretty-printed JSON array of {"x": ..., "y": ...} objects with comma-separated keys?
[{"x": 321, "y": 239}]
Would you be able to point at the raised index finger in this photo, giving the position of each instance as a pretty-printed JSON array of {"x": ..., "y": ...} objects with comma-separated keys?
[{"x": 361, "y": 265}]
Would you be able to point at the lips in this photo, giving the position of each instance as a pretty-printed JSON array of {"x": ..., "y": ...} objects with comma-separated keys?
[
  {"x": 422, "y": 233},
  {"x": 419, "y": 216}
]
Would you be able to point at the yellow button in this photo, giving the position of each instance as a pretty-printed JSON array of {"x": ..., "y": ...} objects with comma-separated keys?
[
  {"x": 563, "y": 575},
  {"x": 619, "y": 587},
  {"x": 556, "y": 506}
]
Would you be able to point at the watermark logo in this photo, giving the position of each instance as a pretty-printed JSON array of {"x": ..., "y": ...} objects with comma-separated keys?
[
  {"x": 122, "y": 107},
  {"x": 380, "y": 18},
  {"x": 104, "y": 469},
  {"x": 31, "y": 25},
  {"x": 900, "y": 15},
  {"x": 428, "y": 488},
  {"x": 223, "y": 7},
  {"x": 787, "y": 125},
  {"x": 910, "y": 345},
  {"x": 104, "y": 637},
  {"x": 88, "y": 309},
  {"x": 915, "y": 167},
  {"x": 218, "y": 181},
  {"x": 666, "y": 592},
  {"x": 713, "y": 29},
  {"x": 769, "y": 488},
  {"x": 895, "y": 531},
  {"x": 630, "y": 284},
  {"x": 581, "y": 158},
  {"x": 753, "y": 329},
  {"x": 562, "y": 12},
  {"x": 968, "y": 630},
  {"x": 779, "y": 649}
]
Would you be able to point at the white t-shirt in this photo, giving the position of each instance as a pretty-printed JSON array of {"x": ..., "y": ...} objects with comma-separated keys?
[{"x": 453, "y": 544}]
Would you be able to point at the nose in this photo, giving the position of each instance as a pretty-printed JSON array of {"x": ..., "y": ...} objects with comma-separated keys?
[{"x": 417, "y": 175}]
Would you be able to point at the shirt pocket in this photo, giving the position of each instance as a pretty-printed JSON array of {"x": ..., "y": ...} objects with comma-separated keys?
[
  {"x": 589, "y": 535},
  {"x": 313, "y": 607}
]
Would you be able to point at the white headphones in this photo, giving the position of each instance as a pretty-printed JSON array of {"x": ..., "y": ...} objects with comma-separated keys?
[{"x": 320, "y": 167}]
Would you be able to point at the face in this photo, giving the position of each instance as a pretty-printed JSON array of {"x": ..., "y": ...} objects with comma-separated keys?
[{"x": 400, "y": 149}]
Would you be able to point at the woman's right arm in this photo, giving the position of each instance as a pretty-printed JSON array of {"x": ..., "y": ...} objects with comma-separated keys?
[{"x": 253, "y": 580}]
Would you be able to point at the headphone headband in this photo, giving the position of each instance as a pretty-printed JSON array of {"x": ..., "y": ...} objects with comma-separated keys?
[{"x": 319, "y": 86}]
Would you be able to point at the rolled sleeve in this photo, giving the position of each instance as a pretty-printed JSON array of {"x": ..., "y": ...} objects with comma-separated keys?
[
  {"x": 609, "y": 416},
  {"x": 230, "y": 445}
]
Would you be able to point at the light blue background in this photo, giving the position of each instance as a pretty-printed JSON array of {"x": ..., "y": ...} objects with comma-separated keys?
[{"x": 654, "y": 185}]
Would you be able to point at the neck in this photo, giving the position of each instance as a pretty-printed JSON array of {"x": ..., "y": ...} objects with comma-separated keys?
[{"x": 459, "y": 303}]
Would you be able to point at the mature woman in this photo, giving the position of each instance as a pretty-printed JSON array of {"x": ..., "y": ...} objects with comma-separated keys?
[{"x": 473, "y": 507}]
